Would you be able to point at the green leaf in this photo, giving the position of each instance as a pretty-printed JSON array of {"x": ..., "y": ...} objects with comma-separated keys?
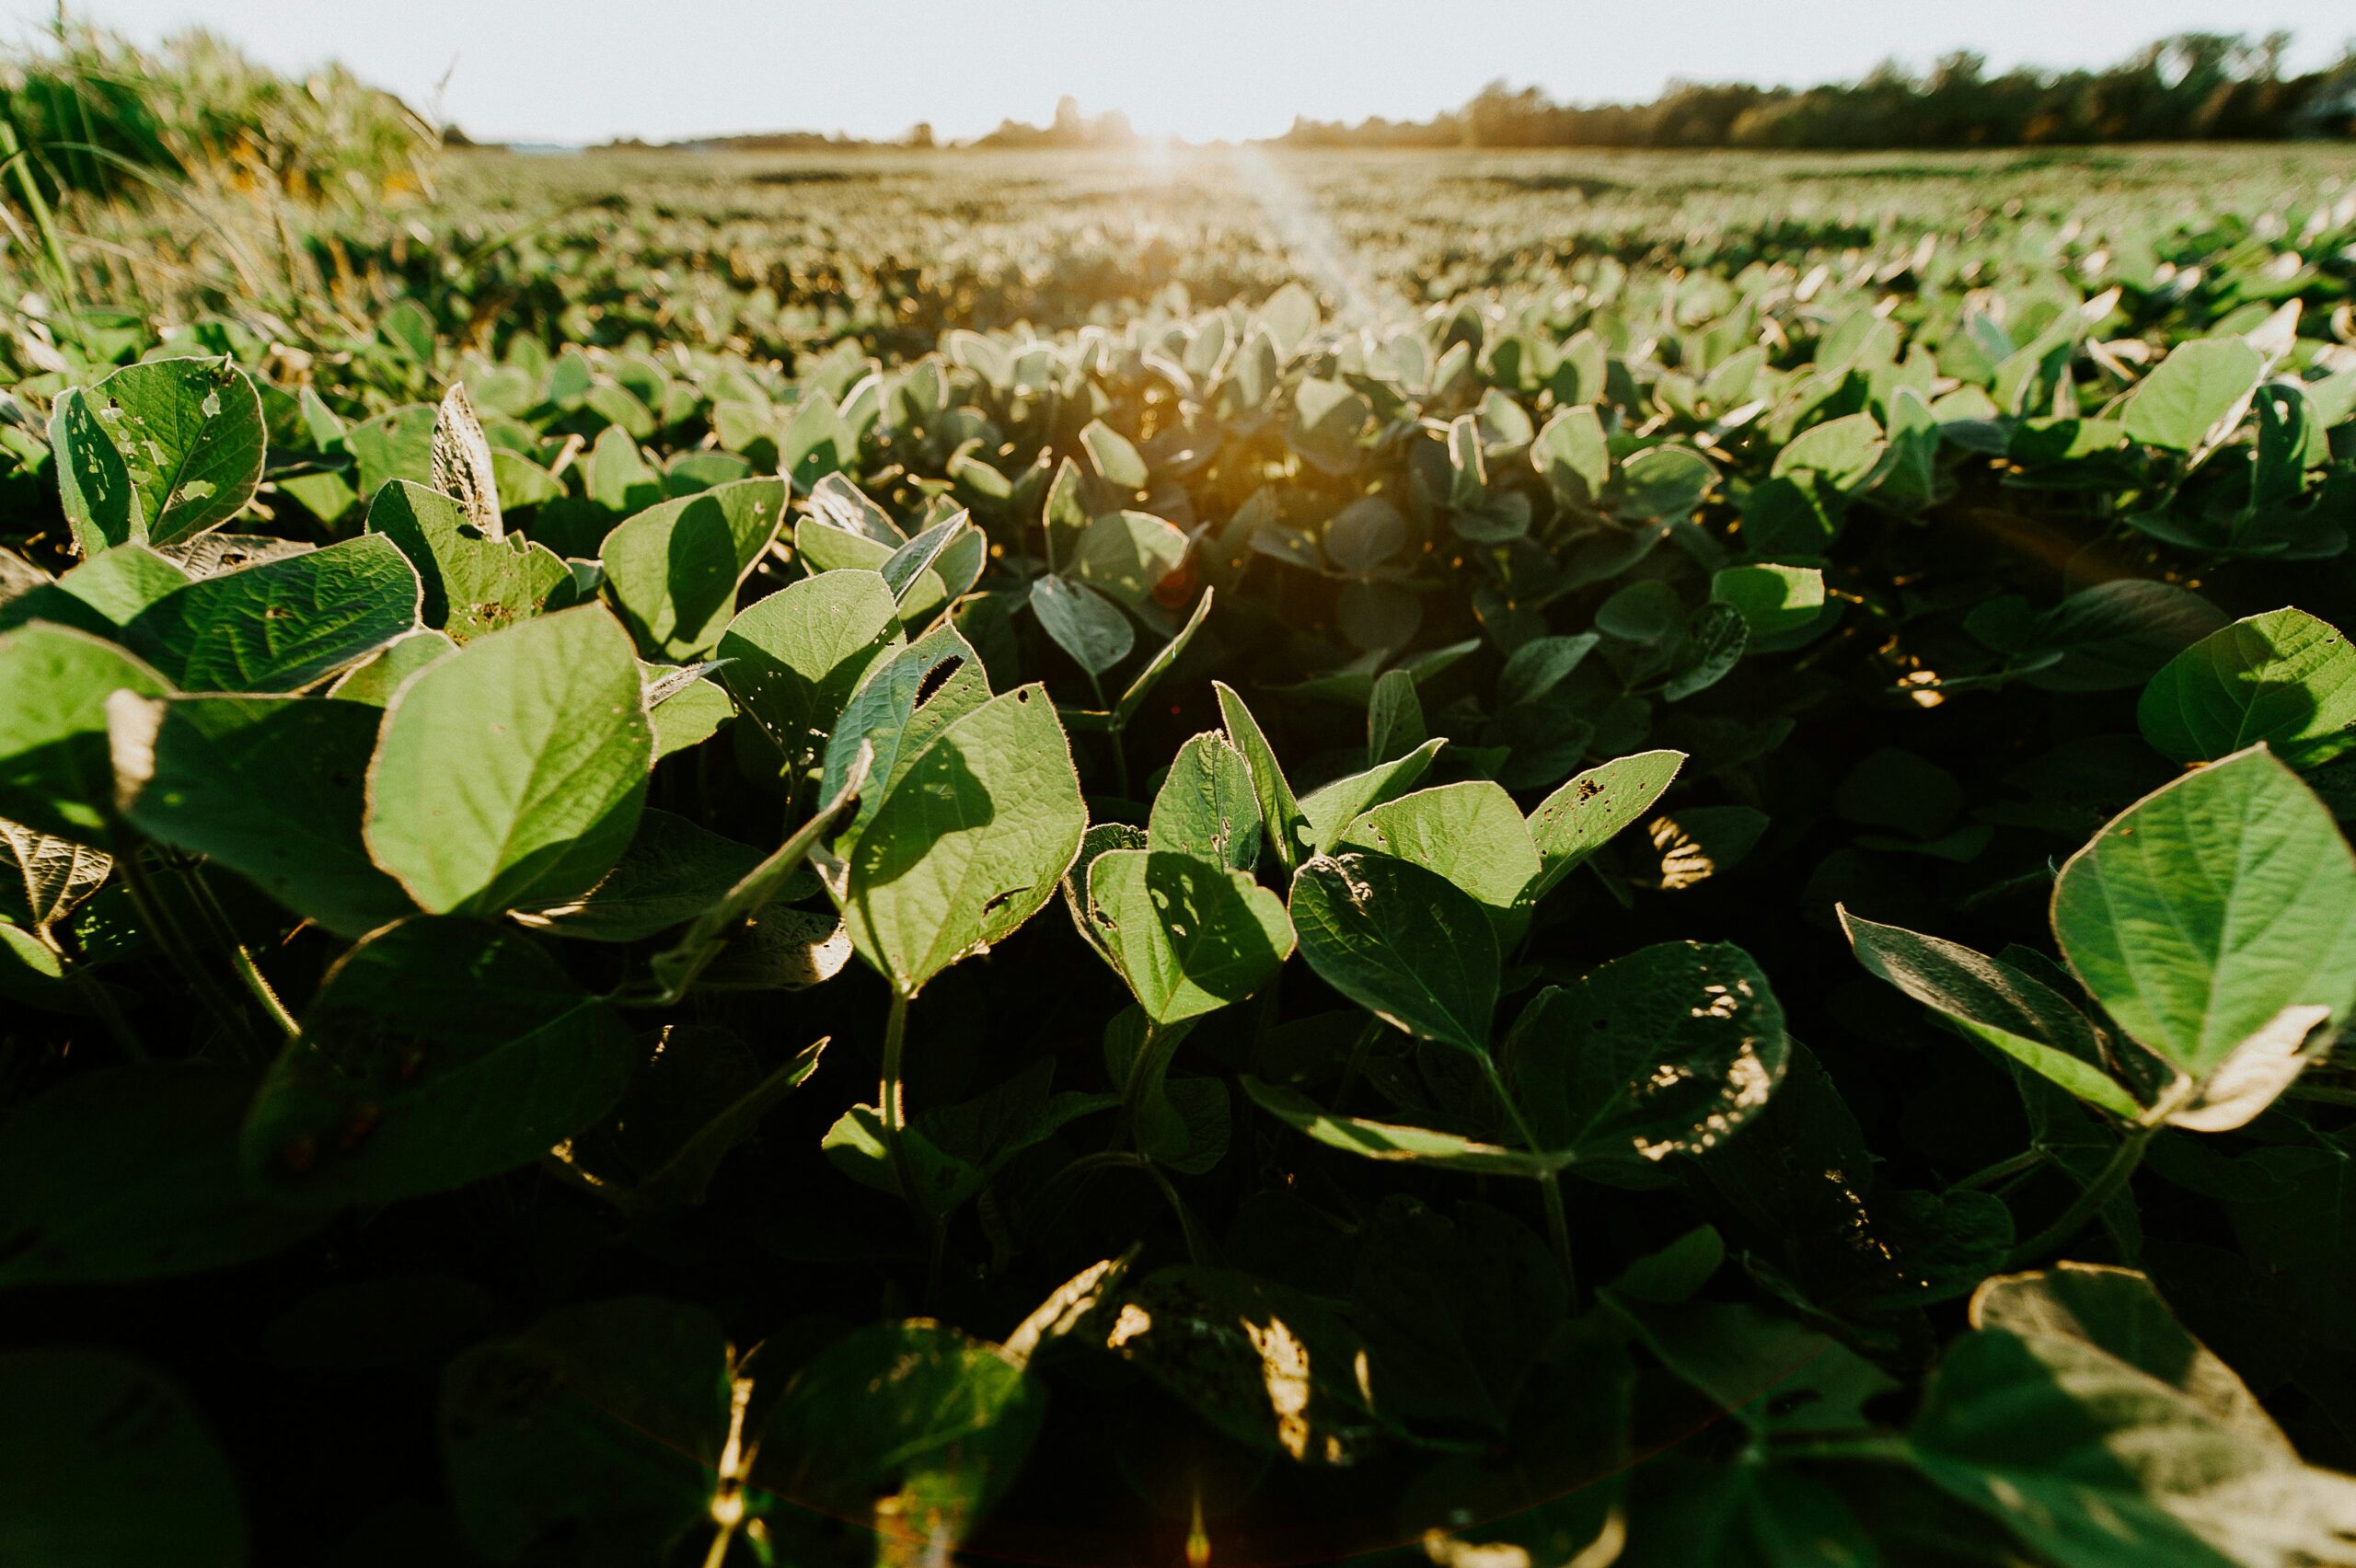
[
  {"x": 511, "y": 772},
  {"x": 1994, "y": 1002},
  {"x": 2200, "y": 386},
  {"x": 2284, "y": 678},
  {"x": 1206, "y": 806},
  {"x": 375, "y": 678},
  {"x": 473, "y": 582},
  {"x": 795, "y": 657},
  {"x": 1329, "y": 809},
  {"x": 1190, "y": 935},
  {"x": 971, "y": 840},
  {"x": 674, "y": 569},
  {"x": 687, "y": 713},
  {"x": 603, "y": 1422},
  {"x": 1401, "y": 941},
  {"x": 2217, "y": 913},
  {"x": 56, "y": 776},
  {"x": 1082, "y": 622},
  {"x": 2100, "y": 1464},
  {"x": 885, "y": 715},
  {"x": 93, "y": 484},
  {"x": 1663, "y": 482},
  {"x": 103, "y": 1463},
  {"x": 1715, "y": 641},
  {"x": 1587, "y": 812},
  {"x": 908, "y": 1432},
  {"x": 1571, "y": 457},
  {"x": 1839, "y": 454},
  {"x": 189, "y": 433},
  {"x": 675, "y": 968},
  {"x": 131, "y": 1173},
  {"x": 283, "y": 624},
  {"x": 1470, "y": 833},
  {"x": 435, "y": 1053},
  {"x": 1133, "y": 699},
  {"x": 1280, "y": 813},
  {"x": 270, "y": 787},
  {"x": 674, "y": 870},
  {"x": 815, "y": 443},
  {"x": 957, "y": 1150},
  {"x": 1126, "y": 555},
  {"x": 1667, "y": 1051},
  {"x": 121, "y": 581},
  {"x": 1773, "y": 600},
  {"x": 1388, "y": 1141},
  {"x": 1117, "y": 462}
]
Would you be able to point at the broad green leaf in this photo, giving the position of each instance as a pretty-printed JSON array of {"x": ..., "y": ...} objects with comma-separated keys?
[
  {"x": 1751, "y": 1515},
  {"x": 957, "y": 1150},
  {"x": 1329, "y": 810},
  {"x": 1587, "y": 812},
  {"x": 56, "y": 776},
  {"x": 189, "y": 433},
  {"x": 131, "y": 1173},
  {"x": 1115, "y": 460},
  {"x": 606, "y": 1420},
  {"x": 815, "y": 443},
  {"x": 1715, "y": 641},
  {"x": 1190, "y": 935},
  {"x": 906, "y": 569},
  {"x": 907, "y": 1434},
  {"x": 435, "y": 1053},
  {"x": 906, "y": 700},
  {"x": 2218, "y": 912},
  {"x": 121, "y": 581},
  {"x": 1842, "y": 454},
  {"x": 2014, "y": 1011},
  {"x": 674, "y": 870},
  {"x": 103, "y": 1463},
  {"x": 1773, "y": 600},
  {"x": 687, "y": 713},
  {"x": 283, "y": 624},
  {"x": 1126, "y": 555},
  {"x": 1395, "y": 726},
  {"x": 473, "y": 582},
  {"x": 674, "y": 569},
  {"x": 1385, "y": 1140},
  {"x": 1470, "y": 833},
  {"x": 2100, "y": 1464},
  {"x": 93, "y": 483},
  {"x": 1662, "y": 481},
  {"x": 1280, "y": 813},
  {"x": 1082, "y": 622},
  {"x": 1571, "y": 457},
  {"x": 270, "y": 787},
  {"x": 1206, "y": 806},
  {"x": 1401, "y": 941},
  {"x": 1540, "y": 665},
  {"x": 794, "y": 658},
  {"x": 2283, "y": 677},
  {"x": 971, "y": 840},
  {"x": 1667, "y": 1051},
  {"x": 511, "y": 772},
  {"x": 2200, "y": 385},
  {"x": 375, "y": 678}
]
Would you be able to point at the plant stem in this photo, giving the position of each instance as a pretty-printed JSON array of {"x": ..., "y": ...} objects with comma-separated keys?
[
  {"x": 2107, "y": 1184},
  {"x": 1989, "y": 1175},
  {"x": 240, "y": 957},
  {"x": 1550, "y": 1184},
  {"x": 1350, "y": 1070},
  {"x": 161, "y": 924},
  {"x": 892, "y": 1104}
]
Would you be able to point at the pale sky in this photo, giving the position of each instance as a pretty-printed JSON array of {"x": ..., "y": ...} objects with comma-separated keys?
[{"x": 588, "y": 70}]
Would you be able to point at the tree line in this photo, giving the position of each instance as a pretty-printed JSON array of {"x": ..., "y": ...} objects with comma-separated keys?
[{"x": 2190, "y": 87}]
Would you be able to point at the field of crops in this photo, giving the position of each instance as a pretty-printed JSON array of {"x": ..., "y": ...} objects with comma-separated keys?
[{"x": 1499, "y": 860}]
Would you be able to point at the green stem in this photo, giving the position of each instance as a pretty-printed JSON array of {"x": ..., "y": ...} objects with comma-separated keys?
[
  {"x": 892, "y": 1105},
  {"x": 1550, "y": 1184},
  {"x": 2107, "y": 1184},
  {"x": 169, "y": 936},
  {"x": 1989, "y": 1175},
  {"x": 240, "y": 956},
  {"x": 1359, "y": 1049}
]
